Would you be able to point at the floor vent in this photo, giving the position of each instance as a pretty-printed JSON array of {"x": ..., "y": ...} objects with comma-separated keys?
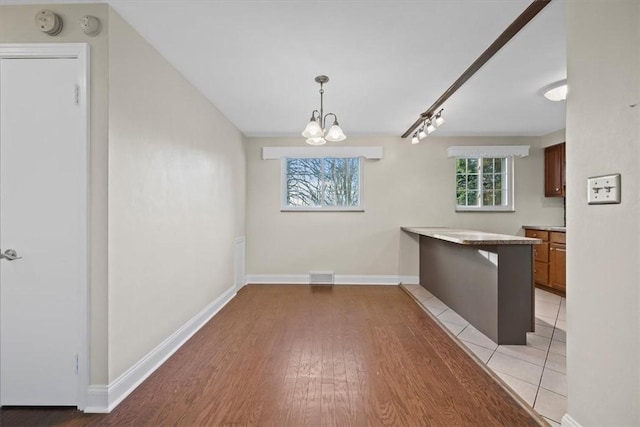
[{"x": 321, "y": 278}]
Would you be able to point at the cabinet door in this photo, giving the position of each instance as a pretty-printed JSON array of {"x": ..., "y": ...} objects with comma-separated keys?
[
  {"x": 557, "y": 267},
  {"x": 541, "y": 273},
  {"x": 541, "y": 252},
  {"x": 554, "y": 171}
]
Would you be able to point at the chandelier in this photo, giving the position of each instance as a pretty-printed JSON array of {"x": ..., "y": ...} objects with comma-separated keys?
[{"x": 315, "y": 132}]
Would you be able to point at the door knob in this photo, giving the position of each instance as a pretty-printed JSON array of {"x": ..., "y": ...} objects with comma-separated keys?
[{"x": 10, "y": 255}]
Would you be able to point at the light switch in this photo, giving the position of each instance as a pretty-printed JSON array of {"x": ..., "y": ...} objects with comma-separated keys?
[{"x": 603, "y": 189}]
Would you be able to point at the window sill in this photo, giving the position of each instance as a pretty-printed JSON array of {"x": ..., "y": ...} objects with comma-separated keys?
[
  {"x": 505, "y": 209},
  {"x": 321, "y": 210}
]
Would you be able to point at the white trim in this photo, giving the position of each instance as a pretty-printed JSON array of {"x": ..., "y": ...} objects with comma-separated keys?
[
  {"x": 322, "y": 209},
  {"x": 568, "y": 421},
  {"x": 97, "y": 399},
  {"x": 81, "y": 52},
  {"x": 345, "y": 279},
  {"x": 488, "y": 151},
  {"x": 409, "y": 280},
  {"x": 239, "y": 262},
  {"x": 282, "y": 279},
  {"x": 340, "y": 279},
  {"x": 44, "y": 50},
  {"x": 126, "y": 383},
  {"x": 274, "y": 153},
  {"x": 511, "y": 200}
]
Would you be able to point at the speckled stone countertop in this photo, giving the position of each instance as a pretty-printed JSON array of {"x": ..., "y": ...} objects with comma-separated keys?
[
  {"x": 546, "y": 228},
  {"x": 471, "y": 237}
]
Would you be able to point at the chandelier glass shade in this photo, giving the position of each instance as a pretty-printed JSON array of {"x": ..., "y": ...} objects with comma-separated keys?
[{"x": 315, "y": 131}]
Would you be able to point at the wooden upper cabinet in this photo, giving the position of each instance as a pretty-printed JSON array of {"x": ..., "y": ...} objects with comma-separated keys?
[{"x": 554, "y": 171}]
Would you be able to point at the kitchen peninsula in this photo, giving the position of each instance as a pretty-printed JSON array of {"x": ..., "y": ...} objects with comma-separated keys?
[{"x": 485, "y": 277}]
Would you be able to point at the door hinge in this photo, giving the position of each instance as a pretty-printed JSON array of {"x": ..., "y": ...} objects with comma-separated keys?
[
  {"x": 76, "y": 367},
  {"x": 76, "y": 95}
]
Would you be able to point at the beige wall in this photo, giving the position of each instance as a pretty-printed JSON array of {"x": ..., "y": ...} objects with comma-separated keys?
[
  {"x": 554, "y": 138},
  {"x": 176, "y": 193},
  {"x": 17, "y": 25},
  {"x": 167, "y": 189},
  {"x": 603, "y": 255},
  {"x": 411, "y": 185}
]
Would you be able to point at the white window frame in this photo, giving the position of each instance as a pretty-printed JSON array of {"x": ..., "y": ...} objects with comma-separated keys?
[
  {"x": 283, "y": 190},
  {"x": 510, "y": 190}
]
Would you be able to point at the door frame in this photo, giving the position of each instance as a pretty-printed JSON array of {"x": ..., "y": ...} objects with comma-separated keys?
[{"x": 79, "y": 51}]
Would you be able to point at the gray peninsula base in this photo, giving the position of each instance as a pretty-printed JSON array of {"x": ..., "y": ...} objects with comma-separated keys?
[{"x": 490, "y": 285}]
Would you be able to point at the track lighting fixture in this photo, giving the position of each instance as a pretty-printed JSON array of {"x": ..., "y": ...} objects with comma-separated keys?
[{"x": 428, "y": 126}]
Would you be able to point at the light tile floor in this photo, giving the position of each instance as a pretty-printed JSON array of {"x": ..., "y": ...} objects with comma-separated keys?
[{"x": 536, "y": 371}]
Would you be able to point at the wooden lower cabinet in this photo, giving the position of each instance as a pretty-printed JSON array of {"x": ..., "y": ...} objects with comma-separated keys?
[
  {"x": 541, "y": 272},
  {"x": 549, "y": 267},
  {"x": 558, "y": 267}
]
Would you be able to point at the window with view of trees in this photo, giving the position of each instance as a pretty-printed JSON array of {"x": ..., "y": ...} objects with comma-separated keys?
[
  {"x": 484, "y": 184},
  {"x": 322, "y": 183}
]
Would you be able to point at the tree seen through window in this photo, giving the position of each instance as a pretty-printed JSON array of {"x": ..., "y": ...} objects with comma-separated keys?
[{"x": 322, "y": 182}]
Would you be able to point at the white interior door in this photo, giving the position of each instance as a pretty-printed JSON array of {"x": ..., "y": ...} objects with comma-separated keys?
[{"x": 43, "y": 218}]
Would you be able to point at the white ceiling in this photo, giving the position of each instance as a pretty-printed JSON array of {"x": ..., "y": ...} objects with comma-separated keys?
[{"x": 387, "y": 60}]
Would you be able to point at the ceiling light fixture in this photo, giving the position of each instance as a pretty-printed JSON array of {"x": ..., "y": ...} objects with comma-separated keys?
[
  {"x": 428, "y": 126},
  {"x": 556, "y": 91},
  {"x": 315, "y": 131},
  {"x": 520, "y": 22}
]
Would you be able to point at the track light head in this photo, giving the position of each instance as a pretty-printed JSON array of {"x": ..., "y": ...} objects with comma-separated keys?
[{"x": 422, "y": 134}]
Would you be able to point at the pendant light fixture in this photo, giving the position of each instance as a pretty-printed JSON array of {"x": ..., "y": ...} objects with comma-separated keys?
[{"x": 315, "y": 131}]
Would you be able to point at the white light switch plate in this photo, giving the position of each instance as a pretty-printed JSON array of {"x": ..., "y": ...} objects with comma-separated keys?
[{"x": 603, "y": 189}]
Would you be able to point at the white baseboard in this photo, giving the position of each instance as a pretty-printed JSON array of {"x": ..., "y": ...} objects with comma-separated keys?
[
  {"x": 410, "y": 280},
  {"x": 568, "y": 421},
  {"x": 346, "y": 279},
  {"x": 340, "y": 279},
  {"x": 284, "y": 279},
  {"x": 97, "y": 399},
  {"x": 103, "y": 399}
]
